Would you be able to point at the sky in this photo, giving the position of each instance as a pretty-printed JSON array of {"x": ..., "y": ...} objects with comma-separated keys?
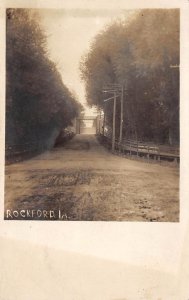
[{"x": 69, "y": 35}]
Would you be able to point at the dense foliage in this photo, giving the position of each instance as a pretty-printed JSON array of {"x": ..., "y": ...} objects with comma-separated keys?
[
  {"x": 38, "y": 104},
  {"x": 143, "y": 55}
]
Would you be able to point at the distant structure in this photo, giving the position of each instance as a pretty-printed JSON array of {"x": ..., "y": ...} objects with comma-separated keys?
[{"x": 87, "y": 125}]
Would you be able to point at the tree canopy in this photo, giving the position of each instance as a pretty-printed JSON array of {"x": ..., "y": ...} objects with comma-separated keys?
[
  {"x": 143, "y": 55},
  {"x": 37, "y": 101}
]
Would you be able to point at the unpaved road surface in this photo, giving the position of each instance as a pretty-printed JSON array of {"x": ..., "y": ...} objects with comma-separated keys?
[{"x": 83, "y": 181}]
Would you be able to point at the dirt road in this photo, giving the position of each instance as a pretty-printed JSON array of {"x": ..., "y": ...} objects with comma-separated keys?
[{"x": 83, "y": 181}]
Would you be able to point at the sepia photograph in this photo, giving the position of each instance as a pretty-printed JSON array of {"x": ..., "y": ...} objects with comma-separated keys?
[
  {"x": 94, "y": 120},
  {"x": 92, "y": 129}
]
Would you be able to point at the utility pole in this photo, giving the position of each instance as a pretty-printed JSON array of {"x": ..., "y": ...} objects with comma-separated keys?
[
  {"x": 121, "y": 115},
  {"x": 100, "y": 122},
  {"x": 114, "y": 116},
  {"x": 104, "y": 122},
  {"x": 117, "y": 90}
]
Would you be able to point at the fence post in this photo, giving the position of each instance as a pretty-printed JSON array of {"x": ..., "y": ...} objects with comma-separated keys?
[
  {"x": 130, "y": 148},
  {"x": 137, "y": 148},
  {"x": 159, "y": 154},
  {"x": 148, "y": 155}
]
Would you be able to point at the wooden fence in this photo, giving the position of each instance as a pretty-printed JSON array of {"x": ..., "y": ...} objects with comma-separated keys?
[
  {"x": 142, "y": 149},
  {"x": 22, "y": 151}
]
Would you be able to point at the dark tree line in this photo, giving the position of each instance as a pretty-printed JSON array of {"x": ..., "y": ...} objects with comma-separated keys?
[
  {"x": 143, "y": 55},
  {"x": 38, "y": 104}
]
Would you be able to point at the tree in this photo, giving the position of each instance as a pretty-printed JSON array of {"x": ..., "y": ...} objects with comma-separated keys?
[
  {"x": 37, "y": 101},
  {"x": 139, "y": 54}
]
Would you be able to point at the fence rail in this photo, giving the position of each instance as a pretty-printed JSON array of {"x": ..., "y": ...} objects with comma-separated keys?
[
  {"x": 142, "y": 149},
  {"x": 17, "y": 151}
]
